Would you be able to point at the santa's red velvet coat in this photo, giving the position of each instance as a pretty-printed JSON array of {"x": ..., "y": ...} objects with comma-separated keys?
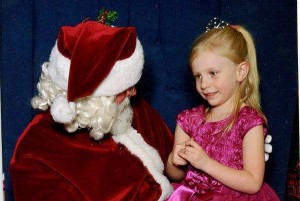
[{"x": 51, "y": 164}]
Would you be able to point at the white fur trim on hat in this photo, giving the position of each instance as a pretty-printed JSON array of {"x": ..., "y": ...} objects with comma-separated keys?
[
  {"x": 62, "y": 111},
  {"x": 123, "y": 75},
  {"x": 59, "y": 67}
]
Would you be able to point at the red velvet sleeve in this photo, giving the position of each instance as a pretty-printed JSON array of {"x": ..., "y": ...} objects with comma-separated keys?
[
  {"x": 37, "y": 181},
  {"x": 50, "y": 164}
]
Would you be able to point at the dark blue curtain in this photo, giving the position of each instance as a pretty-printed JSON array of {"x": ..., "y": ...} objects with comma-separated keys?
[{"x": 166, "y": 29}]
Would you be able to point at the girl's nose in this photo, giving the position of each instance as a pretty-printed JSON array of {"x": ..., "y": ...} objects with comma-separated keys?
[{"x": 204, "y": 83}]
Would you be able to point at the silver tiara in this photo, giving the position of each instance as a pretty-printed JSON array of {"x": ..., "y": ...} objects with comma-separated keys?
[{"x": 216, "y": 23}]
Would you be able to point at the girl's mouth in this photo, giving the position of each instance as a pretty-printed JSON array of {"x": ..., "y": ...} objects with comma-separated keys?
[{"x": 210, "y": 95}]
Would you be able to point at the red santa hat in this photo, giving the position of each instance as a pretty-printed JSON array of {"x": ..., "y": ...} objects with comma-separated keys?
[{"x": 92, "y": 59}]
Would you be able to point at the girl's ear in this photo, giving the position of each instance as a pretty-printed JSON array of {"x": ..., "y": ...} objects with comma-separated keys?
[{"x": 242, "y": 71}]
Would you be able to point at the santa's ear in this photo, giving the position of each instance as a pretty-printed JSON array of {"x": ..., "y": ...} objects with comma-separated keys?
[{"x": 242, "y": 71}]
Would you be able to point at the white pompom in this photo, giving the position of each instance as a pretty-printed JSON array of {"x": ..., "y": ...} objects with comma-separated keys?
[
  {"x": 59, "y": 68},
  {"x": 62, "y": 111}
]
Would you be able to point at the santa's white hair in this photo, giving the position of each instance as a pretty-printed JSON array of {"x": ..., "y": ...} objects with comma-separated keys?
[{"x": 95, "y": 113}]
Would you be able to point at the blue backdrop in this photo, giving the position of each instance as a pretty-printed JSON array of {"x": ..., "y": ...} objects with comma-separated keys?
[{"x": 166, "y": 29}]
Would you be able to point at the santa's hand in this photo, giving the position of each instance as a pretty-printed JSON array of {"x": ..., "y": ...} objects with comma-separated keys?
[{"x": 268, "y": 146}]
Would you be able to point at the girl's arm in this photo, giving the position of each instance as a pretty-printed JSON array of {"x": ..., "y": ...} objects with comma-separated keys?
[
  {"x": 250, "y": 179},
  {"x": 175, "y": 166}
]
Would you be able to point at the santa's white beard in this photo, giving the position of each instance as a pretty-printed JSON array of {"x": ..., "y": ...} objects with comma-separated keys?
[
  {"x": 101, "y": 115},
  {"x": 112, "y": 118},
  {"x": 123, "y": 118}
]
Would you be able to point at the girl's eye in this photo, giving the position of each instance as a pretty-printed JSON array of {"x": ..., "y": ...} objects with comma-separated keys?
[
  {"x": 213, "y": 73},
  {"x": 197, "y": 76}
]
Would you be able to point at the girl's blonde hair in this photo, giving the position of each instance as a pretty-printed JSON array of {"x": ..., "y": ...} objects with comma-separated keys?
[{"x": 236, "y": 44}]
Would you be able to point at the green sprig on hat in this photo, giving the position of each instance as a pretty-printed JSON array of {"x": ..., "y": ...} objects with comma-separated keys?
[{"x": 107, "y": 17}]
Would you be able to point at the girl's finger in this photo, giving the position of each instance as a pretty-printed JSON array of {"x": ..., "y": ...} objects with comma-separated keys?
[
  {"x": 189, "y": 148},
  {"x": 191, "y": 142},
  {"x": 182, "y": 150},
  {"x": 181, "y": 153}
]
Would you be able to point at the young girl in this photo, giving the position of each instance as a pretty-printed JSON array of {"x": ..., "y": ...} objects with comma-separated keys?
[{"x": 218, "y": 152}]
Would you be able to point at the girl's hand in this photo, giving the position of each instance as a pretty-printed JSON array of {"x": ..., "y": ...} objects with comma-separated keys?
[
  {"x": 194, "y": 154},
  {"x": 176, "y": 165},
  {"x": 175, "y": 158}
]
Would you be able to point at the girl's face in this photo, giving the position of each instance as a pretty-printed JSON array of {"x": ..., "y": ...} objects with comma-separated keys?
[{"x": 216, "y": 79}]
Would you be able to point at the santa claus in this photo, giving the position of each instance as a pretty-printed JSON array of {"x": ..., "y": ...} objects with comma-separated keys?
[{"x": 95, "y": 140}]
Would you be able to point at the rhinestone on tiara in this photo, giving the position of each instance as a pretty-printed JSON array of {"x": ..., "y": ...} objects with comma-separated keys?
[{"x": 216, "y": 23}]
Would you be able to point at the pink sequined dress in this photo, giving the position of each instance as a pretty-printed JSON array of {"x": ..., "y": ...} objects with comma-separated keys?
[{"x": 227, "y": 150}]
